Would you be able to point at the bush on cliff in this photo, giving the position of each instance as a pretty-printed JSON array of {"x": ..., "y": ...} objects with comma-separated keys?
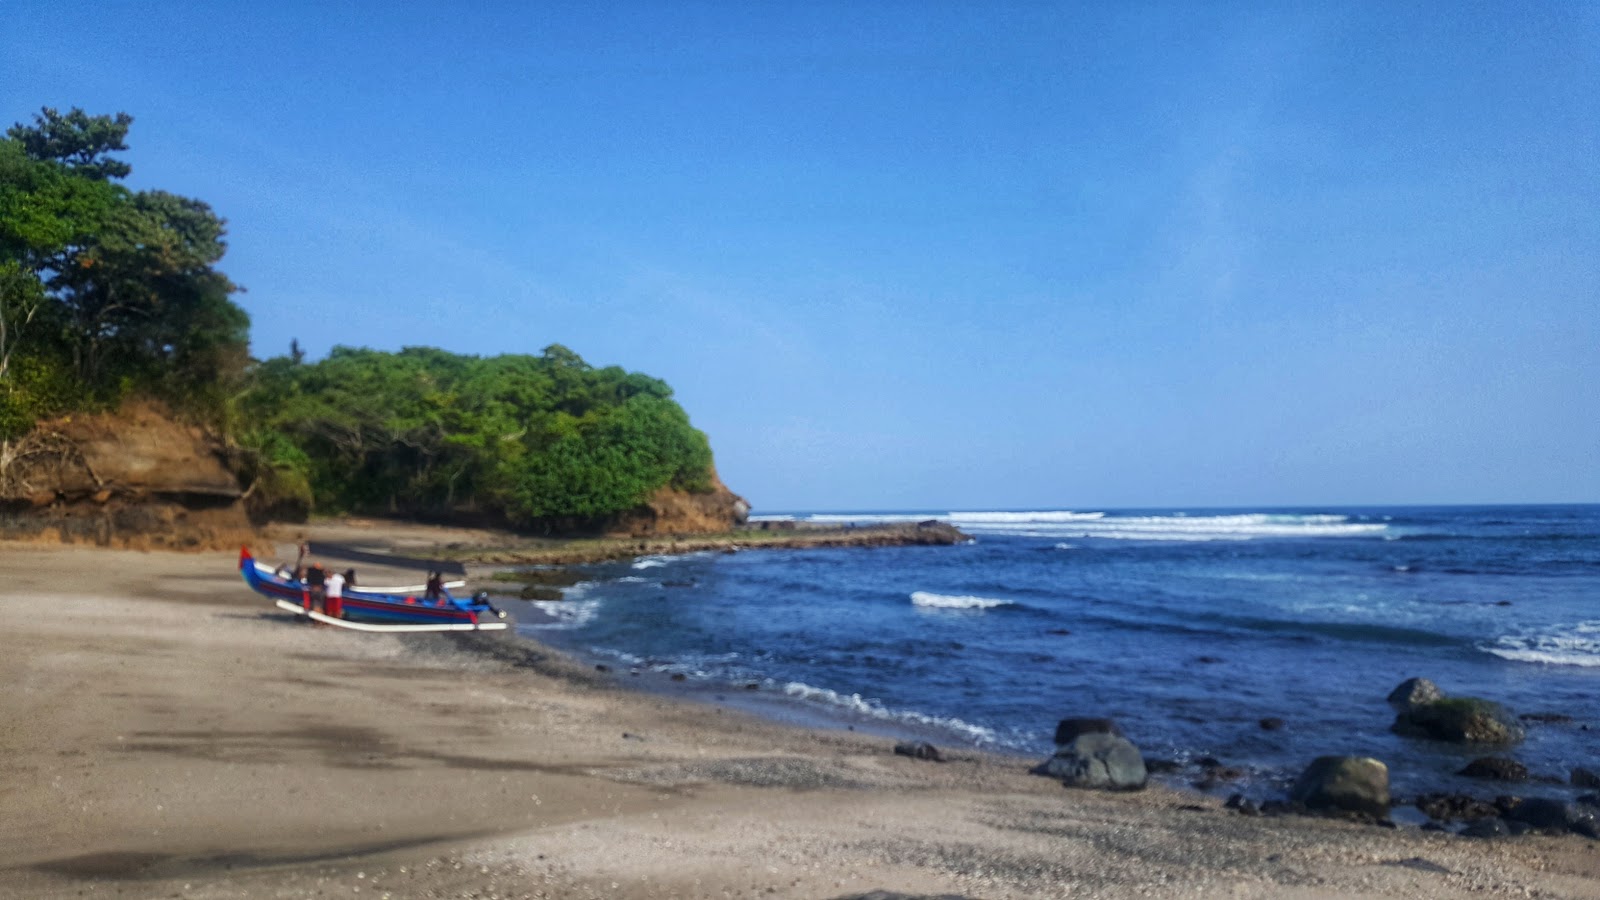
[{"x": 534, "y": 441}]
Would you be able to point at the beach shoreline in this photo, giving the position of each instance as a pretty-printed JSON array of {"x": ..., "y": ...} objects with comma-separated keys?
[{"x": 171, "y": 734}]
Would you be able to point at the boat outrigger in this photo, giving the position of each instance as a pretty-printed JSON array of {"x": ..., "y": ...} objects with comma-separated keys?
[{"x": 392, "y": 609}]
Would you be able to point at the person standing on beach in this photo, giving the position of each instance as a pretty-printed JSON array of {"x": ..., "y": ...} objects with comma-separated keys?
[
  {"x": 316, "y": 585},
  {"x": 334, "y": 604},
  {"x": 435, "y": 586}
]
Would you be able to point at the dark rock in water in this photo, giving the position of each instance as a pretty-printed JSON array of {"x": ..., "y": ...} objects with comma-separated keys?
[
  {"x": 1413, "y": 691},
  {"x": 1099, "y": 760},
  {"x": 1546, "y": 718},
  {"x": 1058, "y": 631},
  {"x": 1355, "y": 784},
  {"x": 679, "y": 676},
  {"x": 752, "y": 686},
  {"x": 602, "y": 667},
  {"x": 919, "y": 750},
  {"x": 1162, "y": 766},
  {"x": 1543, "y": 813},
  {"x": 1450, "y": 807},
  {"x": 1271, "y": 723},
  {"x": 1486, "y": 828},
  {"x": 1582, "y": 777},
  {"x": 1495, "y": 768},
  {"x": 1208, "y": 660},
  {"x": 1068, "y": 730},
  {"x": 1590, "y": 799},
  {"x": 1460, "y": 720}
]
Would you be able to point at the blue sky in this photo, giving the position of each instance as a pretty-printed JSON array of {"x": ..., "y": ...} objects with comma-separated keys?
[{"x": 925, "y": 255}]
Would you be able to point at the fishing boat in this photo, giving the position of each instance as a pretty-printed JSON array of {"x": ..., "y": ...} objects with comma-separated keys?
[{"x": 405, "y": 608}]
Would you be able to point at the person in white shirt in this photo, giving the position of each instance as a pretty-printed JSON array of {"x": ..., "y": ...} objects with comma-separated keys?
[{"x": 334, "y": 605}]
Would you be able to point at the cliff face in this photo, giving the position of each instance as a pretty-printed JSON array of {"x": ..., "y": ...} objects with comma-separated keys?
[
  {"x": 132, "y": 478},
  {"x": 671, "y": 511}
]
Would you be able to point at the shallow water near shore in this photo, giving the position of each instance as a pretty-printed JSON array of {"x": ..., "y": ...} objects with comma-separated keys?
[{"x": 1186, "y": 626}]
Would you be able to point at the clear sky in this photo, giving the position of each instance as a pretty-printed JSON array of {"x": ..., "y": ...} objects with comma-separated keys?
[{"x": 924, "y": 255}]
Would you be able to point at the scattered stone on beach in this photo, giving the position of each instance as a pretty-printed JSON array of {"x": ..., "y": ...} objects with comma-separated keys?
[
  {"x": 1547, "y": 814},
  {"x": 1243, "y": 805},
  {"x": 1214, "y": 771},
  {"x": 1271, "y": 723},
  {"x": 1068, "y": 730},
  {"x": 919, "y": 750},
  {"x": 895, "y": 895},
  {"x": 1460, "y": 720},
  {"x": 1099, "y": 760},
  {"x": 1486, "y": 828},
  {"x": 1585, "y": 778},
  {"x": 1412, "y": 692},
  {"x": 1455, "y": 807},
  {"x": 540, "y": 593},
  {"x": 1495, "y": 768},
  {"x": 1356, "y": 784}
]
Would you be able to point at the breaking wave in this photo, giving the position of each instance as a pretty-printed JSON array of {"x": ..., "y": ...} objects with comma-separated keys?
[
  {"x": 873, "y": 709},
  {"x": 929, "y": 600},
  {"x": 1576, "y": 645}
]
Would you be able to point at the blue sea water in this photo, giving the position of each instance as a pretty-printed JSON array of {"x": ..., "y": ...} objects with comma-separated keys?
[{"x": 1186, "y": 626}]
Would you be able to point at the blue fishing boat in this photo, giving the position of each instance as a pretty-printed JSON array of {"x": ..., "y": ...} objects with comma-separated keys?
[{"x": 396, "y": 609}]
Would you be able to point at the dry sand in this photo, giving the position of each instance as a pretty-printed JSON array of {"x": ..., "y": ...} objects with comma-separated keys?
[{"x": 169, "y": 734}]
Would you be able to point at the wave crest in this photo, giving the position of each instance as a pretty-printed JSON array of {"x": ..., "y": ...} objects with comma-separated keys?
[{"x": 929, "y": 600}]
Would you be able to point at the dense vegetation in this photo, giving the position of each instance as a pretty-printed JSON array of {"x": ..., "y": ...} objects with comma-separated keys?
[
  {"x": 108, "y": 293},
  {"x": 535, "y": 441},
  {"x": 104, "y": 291}
]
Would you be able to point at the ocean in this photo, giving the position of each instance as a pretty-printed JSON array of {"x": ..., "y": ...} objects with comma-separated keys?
[{"x": 1188, "y": 627}]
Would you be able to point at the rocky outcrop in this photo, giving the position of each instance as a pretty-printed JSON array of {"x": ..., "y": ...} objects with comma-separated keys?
[
  {"x": 1414, "y": 692},
  {"x": 136, "y": 477},
  {"x": 1495, "y": 768},
  {"x": 1460, "y": 720},
  {"x": 1351, "y": 784},
  {"x": 1098, "y": 760},
  {"x": 671, "y": 511}
]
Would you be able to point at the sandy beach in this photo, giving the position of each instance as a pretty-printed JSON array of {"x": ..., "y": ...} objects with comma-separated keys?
[{"x": 167, "y": 733}]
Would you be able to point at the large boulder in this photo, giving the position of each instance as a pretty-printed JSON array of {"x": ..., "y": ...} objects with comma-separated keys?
[
  {"x": 1099, "y": 760},
  {"x": 1355, "y": 784},
  {"x": 1414, "y": 691},
  {"x": 1460, "y": 720},
  {"x": 1495, "y": 768},
  {"x": 1068, "y": 730}
]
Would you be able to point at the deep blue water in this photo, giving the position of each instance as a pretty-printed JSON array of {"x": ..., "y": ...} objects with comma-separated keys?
[{"x": 1187, "y": 627}]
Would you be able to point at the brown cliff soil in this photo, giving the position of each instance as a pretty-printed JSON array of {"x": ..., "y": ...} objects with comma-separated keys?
[
  {"x": 670, "y": 512},
  {"x": 134, "y": 478}
]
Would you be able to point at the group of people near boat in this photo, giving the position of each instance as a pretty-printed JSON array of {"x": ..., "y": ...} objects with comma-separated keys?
[{"x": 324, "y": 590}]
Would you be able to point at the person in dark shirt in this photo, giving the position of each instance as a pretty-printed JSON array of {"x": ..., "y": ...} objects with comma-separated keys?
[
  {"x": 316, "y": 584},
  {"x": 435, "y": 587}
]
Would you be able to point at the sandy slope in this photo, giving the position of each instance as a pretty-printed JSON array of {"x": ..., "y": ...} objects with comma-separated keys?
[{"x": 167, "y": 734}]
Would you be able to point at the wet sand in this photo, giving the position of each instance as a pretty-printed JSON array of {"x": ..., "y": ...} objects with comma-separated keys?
[{"x": 168, "y": 733}]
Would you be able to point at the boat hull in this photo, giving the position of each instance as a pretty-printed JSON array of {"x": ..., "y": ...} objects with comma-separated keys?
[{"x": 444, "y": 614}]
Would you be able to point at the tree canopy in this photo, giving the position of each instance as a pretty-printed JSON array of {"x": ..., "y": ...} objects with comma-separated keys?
[
  {"x": 107, "y": 292},
  {"x": 533, "y": 441},
  {"x": 103, "y": 290}
]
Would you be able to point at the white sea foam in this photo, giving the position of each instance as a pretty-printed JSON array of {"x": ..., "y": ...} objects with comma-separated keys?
[
  {"x": 651, "y": 562},
  {"x": 565, "y": 615},
  {"x": 1002, "y": 518},
  {"x": 772, "y": 518},
  {"x": 929, "y": 600},
  {"x": 874, "y": 709},
  {"x": 1571, "y": 645},
  {"x": 1236, "y": 527}
]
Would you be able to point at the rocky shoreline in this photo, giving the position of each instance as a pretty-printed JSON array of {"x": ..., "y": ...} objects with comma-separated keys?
[
  {"x": 1095, "y": 754},
  {"x": 581, "y": 551}
]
